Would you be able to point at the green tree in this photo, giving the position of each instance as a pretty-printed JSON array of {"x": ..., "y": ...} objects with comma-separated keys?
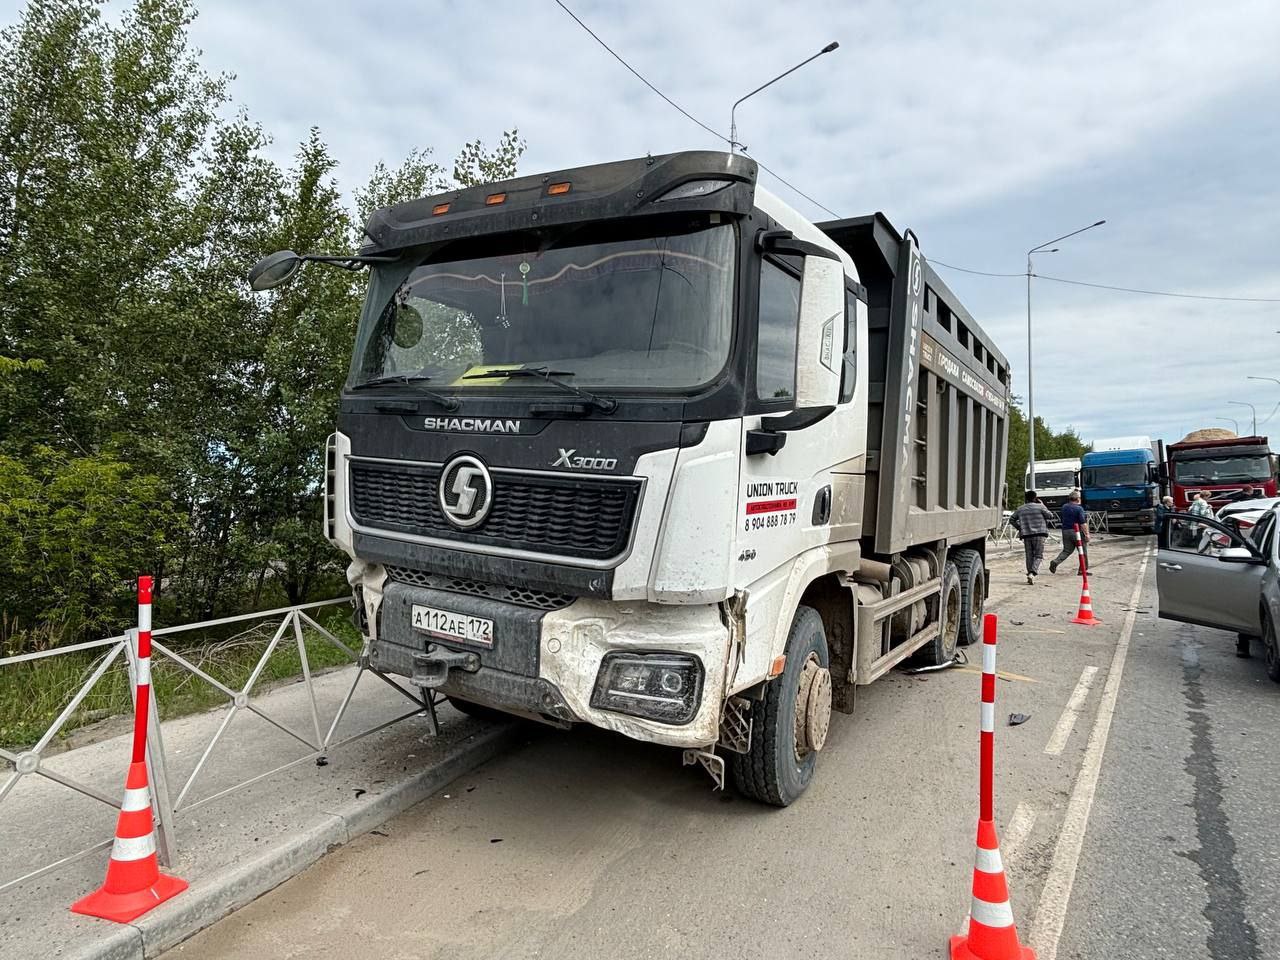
[
  {"x": 135, "y": 362},
  {"x": 1050, "y": 445}
]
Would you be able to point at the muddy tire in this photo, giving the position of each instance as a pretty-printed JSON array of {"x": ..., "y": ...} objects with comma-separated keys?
[
  {"x": 1270, "y": 647},
  {"x": 973, "y": 595},
  {"x": 942, "y": 649},
  {"x": 785, "y": 741}
]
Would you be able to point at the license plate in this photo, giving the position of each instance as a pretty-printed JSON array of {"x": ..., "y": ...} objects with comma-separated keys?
[{"x": 453, "y": 626}]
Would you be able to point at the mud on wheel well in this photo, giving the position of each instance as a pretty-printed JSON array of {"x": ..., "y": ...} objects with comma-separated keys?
[{"x": 834, "y": 604}]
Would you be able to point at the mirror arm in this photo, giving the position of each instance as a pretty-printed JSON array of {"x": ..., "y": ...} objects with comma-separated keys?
[{"x": 353, "y": 262}]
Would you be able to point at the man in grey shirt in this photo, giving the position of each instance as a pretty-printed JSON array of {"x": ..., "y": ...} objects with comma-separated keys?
[{"x": 1032, "y": 520}]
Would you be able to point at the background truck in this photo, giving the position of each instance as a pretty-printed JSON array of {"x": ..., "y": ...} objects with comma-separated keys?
[
  {"x": 636, "y": 445},
  {"x": 1055, "y": 479},
  {"x": 1220, "y": 465},
  {"x": 1121, "y": 476}
]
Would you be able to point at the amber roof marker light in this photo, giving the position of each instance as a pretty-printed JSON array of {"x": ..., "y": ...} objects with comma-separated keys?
[
  {"x": 559, "y": 189},
  {"x": 495, "y": 198}
]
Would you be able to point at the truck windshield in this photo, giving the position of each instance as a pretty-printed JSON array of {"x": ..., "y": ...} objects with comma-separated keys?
[
  {"x": 608, "y": 306},
  {"x": 1055, "y": 479},
  {"x": 1115, "y": 475},
  {"x": 1222, "y": 469}
]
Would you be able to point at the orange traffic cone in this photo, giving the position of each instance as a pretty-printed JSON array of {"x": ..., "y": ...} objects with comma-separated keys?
[
  {"x": 134, "y": 882},
  {"x": 1085, "y": 614},
  {"x": 992, "y": 935}
]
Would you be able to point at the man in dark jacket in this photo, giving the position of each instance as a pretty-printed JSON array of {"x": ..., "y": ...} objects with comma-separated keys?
[
  {"x": 1073, "y": 518},
  {"x": 1032, "y": 520}
]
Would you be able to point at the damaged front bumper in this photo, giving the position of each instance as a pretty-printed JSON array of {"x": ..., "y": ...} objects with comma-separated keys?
[{"x": 547, "y": 663}]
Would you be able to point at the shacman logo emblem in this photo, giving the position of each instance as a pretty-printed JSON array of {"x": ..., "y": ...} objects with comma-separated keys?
[{"x": 466, "y": 491}]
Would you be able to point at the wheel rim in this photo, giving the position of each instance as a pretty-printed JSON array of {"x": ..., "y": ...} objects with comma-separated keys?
[
  {"x": 950, "y": 620},
  {"x": 1270, "y": 652},
  {"x": 813, "y": 708},
  {"x": 977, "y": 599}
]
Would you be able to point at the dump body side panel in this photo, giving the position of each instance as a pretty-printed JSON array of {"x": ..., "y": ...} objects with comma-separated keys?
[{"x": 938, "y": 406}]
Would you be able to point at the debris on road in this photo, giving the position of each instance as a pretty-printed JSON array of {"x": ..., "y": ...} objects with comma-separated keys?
[{"x": 1015, "y": 719}]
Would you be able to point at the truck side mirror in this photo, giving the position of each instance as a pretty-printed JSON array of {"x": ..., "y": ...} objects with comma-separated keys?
[{"x": 820, "y": 350}]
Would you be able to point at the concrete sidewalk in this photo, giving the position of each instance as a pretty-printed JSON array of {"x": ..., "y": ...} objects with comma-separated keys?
[{"x": 237, "y": 847}]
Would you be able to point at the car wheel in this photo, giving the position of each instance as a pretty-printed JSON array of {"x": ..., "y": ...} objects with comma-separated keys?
[{"x": 1271, "y": 647}]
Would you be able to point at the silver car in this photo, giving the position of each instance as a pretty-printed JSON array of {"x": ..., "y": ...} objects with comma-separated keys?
[{"x": 1214, "y": 575}]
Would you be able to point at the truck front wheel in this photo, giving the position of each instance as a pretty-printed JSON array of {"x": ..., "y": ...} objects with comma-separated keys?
[{"x": 790, "y": 723}]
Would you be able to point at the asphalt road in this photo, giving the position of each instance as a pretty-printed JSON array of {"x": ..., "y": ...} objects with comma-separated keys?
[{"x": 585, "y": 844}]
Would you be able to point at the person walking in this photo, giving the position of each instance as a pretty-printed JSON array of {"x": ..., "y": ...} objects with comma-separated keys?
[
  {"x": 1073, "y": 515},
  {"x": 1032, "y": 520}
]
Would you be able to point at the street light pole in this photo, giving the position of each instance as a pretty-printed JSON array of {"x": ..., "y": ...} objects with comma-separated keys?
[
  {"x": 1273, "y": 409},
  {"x": 733, "y": 122},
  {"x": 1242, "y": 403},
  {"x": 1233, "y": 421},
  {"x": 1031, "y": 409}
]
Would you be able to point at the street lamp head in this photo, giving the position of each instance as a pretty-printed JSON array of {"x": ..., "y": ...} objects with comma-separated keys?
[
  {"x": 1098, "y": 224},
  {"x": 830, "y": 46}
]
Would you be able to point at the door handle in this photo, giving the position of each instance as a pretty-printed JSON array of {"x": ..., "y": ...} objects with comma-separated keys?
[{"x": 1170, "y": 566}]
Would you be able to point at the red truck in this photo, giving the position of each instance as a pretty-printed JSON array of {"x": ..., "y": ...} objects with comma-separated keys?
[{"x": 1220, "y": 468}]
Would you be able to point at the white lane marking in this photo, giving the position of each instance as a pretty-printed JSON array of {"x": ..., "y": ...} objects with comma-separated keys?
[
  {"x": 1015, "y": 836},
  {"x": 1067, "y": 722},
  {"x": 1055, "y": 896}
]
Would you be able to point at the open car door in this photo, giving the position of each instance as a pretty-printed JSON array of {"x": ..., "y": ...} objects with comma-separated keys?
[{"x": 1208, "y": 574}]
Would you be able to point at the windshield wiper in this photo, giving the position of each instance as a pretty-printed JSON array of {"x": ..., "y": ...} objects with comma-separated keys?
[
  {"x": 603, "y": 404},
  {"x": 449, "y": 403}
]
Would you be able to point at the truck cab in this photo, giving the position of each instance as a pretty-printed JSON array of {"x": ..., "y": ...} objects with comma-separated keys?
[
  {"x": 1221, "y": 470},
  {"x": 1124, "y": 483},
  {"x": 1055, "y": 479},
  {"x": 636, "y": 445}
]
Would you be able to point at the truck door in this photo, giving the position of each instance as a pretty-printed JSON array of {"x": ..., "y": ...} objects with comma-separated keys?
[
  {"x": 785, "y": 494},
  {"x": 1207, "y": 574}
]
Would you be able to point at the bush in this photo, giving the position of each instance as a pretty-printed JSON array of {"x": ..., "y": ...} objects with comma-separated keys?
[{"x": 74, "y": 534}]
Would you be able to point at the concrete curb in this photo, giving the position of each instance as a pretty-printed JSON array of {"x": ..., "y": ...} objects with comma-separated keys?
[{"x": 211, "y": 899}]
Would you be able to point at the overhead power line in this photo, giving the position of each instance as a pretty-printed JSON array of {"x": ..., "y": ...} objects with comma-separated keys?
[
  {"x": 1158, "y": 293},
  {"x": 821, "y": 206},
  {"x": 1107, "y": 286},
  {"x": 980, "y": 273},
  {"x": 689, "y": 116}
]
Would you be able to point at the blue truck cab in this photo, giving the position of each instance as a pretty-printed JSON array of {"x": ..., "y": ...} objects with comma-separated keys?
[{"x": 1121, "y": 477}]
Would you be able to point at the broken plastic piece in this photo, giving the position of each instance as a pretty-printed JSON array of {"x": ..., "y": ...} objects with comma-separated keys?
[{"x": 1017, "y": 718}]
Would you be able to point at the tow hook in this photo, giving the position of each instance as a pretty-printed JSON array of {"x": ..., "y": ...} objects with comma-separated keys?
[{"x": 431, "y": 669}]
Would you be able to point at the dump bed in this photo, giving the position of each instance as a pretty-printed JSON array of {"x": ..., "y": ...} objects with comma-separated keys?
[{"x": 938, "y": 427}]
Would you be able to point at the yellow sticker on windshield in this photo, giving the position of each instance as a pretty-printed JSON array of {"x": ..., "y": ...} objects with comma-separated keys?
[{"x": 477, "y": 375}]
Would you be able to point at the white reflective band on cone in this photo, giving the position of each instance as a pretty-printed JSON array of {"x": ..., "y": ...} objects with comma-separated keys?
[
  {"x": 135, "y": 799},
  {"x": 144, "y": 671},
  {"x": 988, "y": 658},
  {"x": 991, "y": 914},
  {"x": 144, "y": 618},
  {"x": 137, "y": 848},
  {"x": 988, "y": 861},
  {"x": 988, "y": 718}
]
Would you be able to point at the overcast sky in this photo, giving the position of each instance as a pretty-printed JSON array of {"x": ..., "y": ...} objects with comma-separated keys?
[{"x": 986, "y": 128}]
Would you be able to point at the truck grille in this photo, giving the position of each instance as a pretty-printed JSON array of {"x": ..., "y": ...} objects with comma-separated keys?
[
  {"x": 582, "y": 517},
  {"x": 539, "y": 599}
]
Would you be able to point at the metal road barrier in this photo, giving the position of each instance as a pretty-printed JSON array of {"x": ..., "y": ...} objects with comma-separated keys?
[{"x": 293, "y": 620}]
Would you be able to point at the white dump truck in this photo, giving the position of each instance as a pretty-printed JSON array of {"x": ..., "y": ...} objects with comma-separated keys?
[{"x": 636, "y": 445}]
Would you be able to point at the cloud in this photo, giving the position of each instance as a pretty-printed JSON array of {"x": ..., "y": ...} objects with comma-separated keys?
[{"x": 987, "y": 128}]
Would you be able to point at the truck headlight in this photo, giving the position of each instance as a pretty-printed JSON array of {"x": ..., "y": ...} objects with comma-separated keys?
[{"x": 666, "y": 687}]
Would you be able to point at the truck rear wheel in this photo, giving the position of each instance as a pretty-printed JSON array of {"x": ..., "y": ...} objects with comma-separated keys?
[
  {"x": 790, "y": 723},
  {"x": 973, "y": 595},
  {"x": 942, "y": 648}
]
